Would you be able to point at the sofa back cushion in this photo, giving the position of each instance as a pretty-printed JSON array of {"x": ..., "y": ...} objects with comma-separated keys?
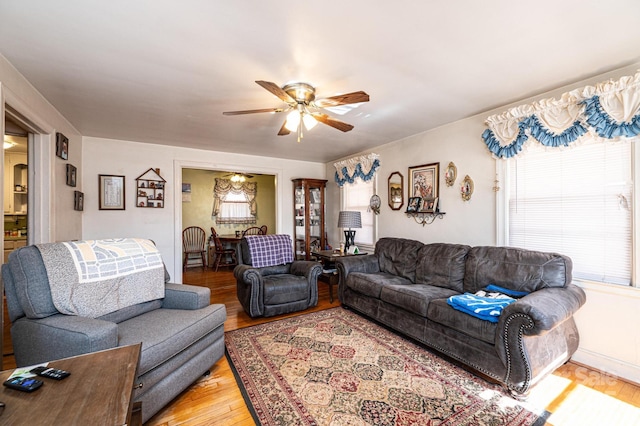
[
  {"x": 30, "y": 284},
  {"x": 516, "y": 269},
  {"x": 398, "y": 256},
  {"x": 442, "y": 265}
]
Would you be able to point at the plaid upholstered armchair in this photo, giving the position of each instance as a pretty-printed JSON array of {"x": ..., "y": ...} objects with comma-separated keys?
[{"x": 271, "y": 282}]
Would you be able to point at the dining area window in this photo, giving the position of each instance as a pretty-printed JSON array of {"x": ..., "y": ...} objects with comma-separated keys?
[{"x": 234, "y": 202}]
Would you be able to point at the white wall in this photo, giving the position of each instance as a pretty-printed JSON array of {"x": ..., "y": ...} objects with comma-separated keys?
[
  {"x": 608, "y": 319},
  {"x": 56, "y": 221},
  {"x": 164, "y": 226}
]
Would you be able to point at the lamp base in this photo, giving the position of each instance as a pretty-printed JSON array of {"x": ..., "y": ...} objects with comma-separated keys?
[{"x": 349, "y": 238}]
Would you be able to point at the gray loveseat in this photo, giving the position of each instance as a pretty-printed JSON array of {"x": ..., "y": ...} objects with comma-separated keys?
[
  {"x": 182, "y": 334},
  {"x": 405, "y": 285}
]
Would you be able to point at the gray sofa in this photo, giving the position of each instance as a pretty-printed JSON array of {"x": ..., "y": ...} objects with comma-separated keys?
[
  {"x": 182, "y": 334},
  {"x": 405, "y": 285}
]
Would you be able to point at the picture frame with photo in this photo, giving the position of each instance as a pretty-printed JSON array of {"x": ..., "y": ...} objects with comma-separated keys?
[
  {"x": 111, "y": 194},
  {"x": 424, "y": 181},
  {"x": 414, "y": 204},
  {"x": 78, "y": 201},
  {"x": 71, "y": 175},
  {"x": 429, "y": 205},
  {"x": 62, "y": 146}
]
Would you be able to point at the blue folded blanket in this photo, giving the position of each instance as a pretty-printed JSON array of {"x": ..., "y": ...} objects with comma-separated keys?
[{"x": 486, "y": 304}]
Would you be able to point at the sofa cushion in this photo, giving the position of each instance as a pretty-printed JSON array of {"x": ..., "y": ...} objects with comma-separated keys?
[
  {"x": 398, "y": 256},
  {"x": 131, "y": 311},
  {"x": 439, "y": 311},
  {"x": 515, "y": 269},
  {"x": 414, "y": 298},
  {"x": 31, "y": 282},
  {"x": 164, "y": 333},
  {"x": 284, "y": 288},
  {"x": 442, "y": 265},
  {"x": 371, "y": 284}
]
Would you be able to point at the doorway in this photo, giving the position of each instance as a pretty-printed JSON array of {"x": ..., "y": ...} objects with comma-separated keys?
[{"x": 16, "y": 186}]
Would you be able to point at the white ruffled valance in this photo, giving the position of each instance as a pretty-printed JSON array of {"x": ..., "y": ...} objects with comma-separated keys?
[
  {"x": 363, "y": 166},
  {"x": 610, "y": 110}
]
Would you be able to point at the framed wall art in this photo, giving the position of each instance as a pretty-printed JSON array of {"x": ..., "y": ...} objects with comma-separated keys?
[
  {"x": 424, "y": 181},
  {"x": 111, "y": 192},
  {"x": 78, "y": 201},
  {"x": 62, "y": 146},
  {"x": 414, "y": 204},
  {"x": 71, "y": 175}
]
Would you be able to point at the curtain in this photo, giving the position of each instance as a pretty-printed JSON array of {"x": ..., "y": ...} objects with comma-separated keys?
[
  {"x": 609, "y": 110},
  {"x": 363, "y": 166},
  {"x": 225, "y": 186}
]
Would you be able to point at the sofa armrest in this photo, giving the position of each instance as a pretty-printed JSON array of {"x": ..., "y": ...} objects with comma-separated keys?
[
  {"x": 184, "y": 296},
  {"x": 546, "y": 308},
  {"x": 306, "y": 268},
  {"x": 345, "y": 265},
  {"x": 66, "y": 335}
]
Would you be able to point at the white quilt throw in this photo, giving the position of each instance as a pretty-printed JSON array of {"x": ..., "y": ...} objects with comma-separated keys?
[{"x": 94, "y": 278}]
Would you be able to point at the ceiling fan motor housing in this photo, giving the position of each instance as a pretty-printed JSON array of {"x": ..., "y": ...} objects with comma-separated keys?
[{"x": 303, "y": 93}]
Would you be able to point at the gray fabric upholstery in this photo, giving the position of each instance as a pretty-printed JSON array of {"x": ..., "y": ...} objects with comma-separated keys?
[
  {"x": 515, "y": 269},
  {"x": 276, "y": 290},
  {"x": 182, "y": 335},
  {"x": 534, "y": 335},
  {"x": 398, "y": 256},
  {"x": 442, "y": 265}
]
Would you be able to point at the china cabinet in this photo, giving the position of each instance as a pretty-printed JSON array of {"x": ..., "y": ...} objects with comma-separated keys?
[{"x": 309, "y": 221}]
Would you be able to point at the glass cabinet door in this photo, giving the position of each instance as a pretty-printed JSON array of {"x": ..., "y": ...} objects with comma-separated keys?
[{"x": 309, "y": 223}]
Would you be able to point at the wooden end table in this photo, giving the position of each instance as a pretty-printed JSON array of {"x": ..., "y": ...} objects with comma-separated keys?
[
  {"x": 98, "y": 391},
  {"x": 329, "y": 273}
]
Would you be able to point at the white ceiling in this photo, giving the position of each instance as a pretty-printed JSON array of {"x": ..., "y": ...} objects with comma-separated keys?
[{"x": 163, "y": 71}]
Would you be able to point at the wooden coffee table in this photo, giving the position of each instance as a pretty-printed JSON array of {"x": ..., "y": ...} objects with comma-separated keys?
[
  {"x": 98, "y": 391},
  {"x": 329, "y": 274}
]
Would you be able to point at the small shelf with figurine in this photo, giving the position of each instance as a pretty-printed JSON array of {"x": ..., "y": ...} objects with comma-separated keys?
[
  {"x": 424, "y": 210},
  {"x": 150, "y": 189}
]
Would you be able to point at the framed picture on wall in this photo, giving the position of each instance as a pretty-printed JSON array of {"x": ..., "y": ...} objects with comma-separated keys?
[
  {"x": 62, "y": 146},
  {"x": 111, "y": 192},
  {"x": 424, "y": 181},
  {"x": 78, "y": 201},
  {"x": 71, "y": 175}
]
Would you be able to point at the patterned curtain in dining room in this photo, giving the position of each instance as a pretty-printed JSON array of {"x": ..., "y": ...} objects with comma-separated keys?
[{"x": 234, "y": 202}]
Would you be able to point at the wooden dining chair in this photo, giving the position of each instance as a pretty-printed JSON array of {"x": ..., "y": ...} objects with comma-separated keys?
[
  {"x": 221, "y": 255},
  {"x": 255, "y": 230},
  {"x": 193, "y": 246}
]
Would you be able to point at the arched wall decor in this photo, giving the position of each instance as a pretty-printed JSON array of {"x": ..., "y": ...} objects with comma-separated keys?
[{"x": 610, "y": 110}]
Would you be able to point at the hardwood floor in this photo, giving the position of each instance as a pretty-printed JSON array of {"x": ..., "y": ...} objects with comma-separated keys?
[{"x": 574, "y": 394}]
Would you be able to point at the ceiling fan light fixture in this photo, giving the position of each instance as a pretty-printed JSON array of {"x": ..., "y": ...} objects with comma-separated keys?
[
  {"x": 309, "y": 121},
  {"x": 237, "y": 178},
  {"x": 7, "y": 145},
  {"x": 293, "y": 121}
]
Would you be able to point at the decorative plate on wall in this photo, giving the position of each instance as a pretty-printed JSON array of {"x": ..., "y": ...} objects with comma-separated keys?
[{"x": 374, "y": 204}]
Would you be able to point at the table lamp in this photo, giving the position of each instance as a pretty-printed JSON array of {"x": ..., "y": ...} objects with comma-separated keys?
[{"x": 349, "y": 220}]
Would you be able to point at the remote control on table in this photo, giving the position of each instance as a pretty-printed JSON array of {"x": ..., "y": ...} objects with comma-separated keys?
[{"x": 51, "y": 373}]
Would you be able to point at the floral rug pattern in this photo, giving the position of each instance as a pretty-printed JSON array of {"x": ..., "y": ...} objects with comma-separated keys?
[{"x": 336, "y": 368}]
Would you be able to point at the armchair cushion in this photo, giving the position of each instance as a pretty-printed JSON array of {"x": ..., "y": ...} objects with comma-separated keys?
[{"x": 284, "y": 288}]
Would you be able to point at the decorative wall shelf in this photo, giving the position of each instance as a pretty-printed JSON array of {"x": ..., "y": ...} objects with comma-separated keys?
[
  {"x": 150, "y": 188},
  {"x": 425, "y": 218}
]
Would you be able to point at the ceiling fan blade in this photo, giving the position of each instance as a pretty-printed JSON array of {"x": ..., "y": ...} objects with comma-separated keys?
[
  {"x": 253, "y": 111},
  {"x": 283, "y": 130},
  {"x": 276, "y": 90},
  {"x": 347, "y": 98},
  {"x": 330, "y": 121}
]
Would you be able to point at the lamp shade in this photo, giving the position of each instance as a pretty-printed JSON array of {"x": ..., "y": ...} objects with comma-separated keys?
[{"x": 349, "y": 219}]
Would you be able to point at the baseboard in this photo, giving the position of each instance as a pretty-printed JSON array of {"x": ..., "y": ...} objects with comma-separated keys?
[{"x": 605, "y": 364}]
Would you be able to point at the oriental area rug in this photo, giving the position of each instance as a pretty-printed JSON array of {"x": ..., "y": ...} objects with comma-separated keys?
[{"x": 336, "y": 368}]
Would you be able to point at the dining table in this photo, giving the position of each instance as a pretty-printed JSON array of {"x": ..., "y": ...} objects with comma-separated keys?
[{"x": 231, "y": 240}]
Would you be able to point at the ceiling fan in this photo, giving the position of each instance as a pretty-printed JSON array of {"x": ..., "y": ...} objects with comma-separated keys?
[
  {"x": 238, "y": 177},
  {"x": 303, "y": 105}
]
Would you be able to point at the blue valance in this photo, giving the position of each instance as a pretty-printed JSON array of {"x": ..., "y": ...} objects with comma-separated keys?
[
  {"x": 363, "y": 167},
  {"x": 610, "y": 110}
]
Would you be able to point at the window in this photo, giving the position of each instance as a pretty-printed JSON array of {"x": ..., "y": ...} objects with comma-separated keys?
[
  {"x": 355, "y": 197},
  {"x": 234, "y": 202},
  {"x": 578, "y": 202}
]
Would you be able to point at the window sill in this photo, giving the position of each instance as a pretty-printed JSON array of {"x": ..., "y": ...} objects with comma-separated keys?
[{"x": 606, "y": 288}]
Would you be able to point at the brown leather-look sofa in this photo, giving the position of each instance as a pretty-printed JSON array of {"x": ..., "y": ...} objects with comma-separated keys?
[{"x": 405, "y": 285}]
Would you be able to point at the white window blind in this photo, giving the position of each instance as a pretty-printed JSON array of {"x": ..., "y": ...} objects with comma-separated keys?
[
  {"x": 355, "y": 197},
  {"x": 576, "y": 202}
]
